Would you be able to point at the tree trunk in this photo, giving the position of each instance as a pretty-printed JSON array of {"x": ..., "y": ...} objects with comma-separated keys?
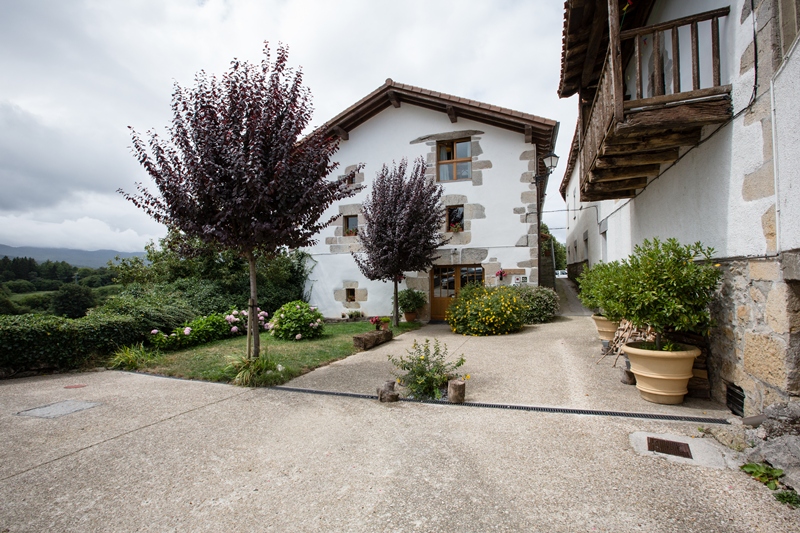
[
  {"x": 396, "y": 307},
  {"x": 253, "y": 335}
]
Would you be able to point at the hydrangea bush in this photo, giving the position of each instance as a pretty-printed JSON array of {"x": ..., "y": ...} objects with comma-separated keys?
[
  {"x": 479, "y": 310},
  {"x": 296, "y": 321},
  {"x": 199, "y": 331}
]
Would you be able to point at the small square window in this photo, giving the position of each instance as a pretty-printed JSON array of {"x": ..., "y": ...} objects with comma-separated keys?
[
  {"x": 455, "y": 218},
  {"x": 350, "y": 226},
  {"x": 351, "y": 179},
  {"x": 350, "y": 295},
  {"x": 454, "y": 160}
]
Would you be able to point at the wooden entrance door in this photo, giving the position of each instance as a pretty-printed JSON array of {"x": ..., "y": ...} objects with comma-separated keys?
[{"x": 446, "y": 282}]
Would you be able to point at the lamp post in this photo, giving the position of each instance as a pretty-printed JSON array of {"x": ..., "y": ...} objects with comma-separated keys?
[{"x": 550, "y": 161}]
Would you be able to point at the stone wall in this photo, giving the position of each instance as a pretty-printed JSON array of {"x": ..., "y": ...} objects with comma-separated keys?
[{"x": 756, "y": 341}]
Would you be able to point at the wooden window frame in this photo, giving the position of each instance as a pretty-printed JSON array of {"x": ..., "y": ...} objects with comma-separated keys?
[
  {"x": 349, "y": 295},
  {"x": 455, "y": 161},
  {"x": 448, "y": 228},
  {"x": 345, "y": 227}
]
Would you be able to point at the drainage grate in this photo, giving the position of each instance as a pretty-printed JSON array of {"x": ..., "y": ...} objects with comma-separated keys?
[
  {"x": 532, "y": 408},
  {"x": 681, "y": 449}
]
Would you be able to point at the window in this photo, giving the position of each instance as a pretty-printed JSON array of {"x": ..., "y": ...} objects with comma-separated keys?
[
  {"x": 350, "y": 295},
  {"x": 454, "y": 160},
  {"x": 455, "y": 218},
  {"x": 350, "y": 226}
]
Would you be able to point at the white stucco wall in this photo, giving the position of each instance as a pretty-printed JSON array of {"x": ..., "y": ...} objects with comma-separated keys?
[
  {"x": 787, "y": 149},
  {"x": 701, "y": 197},
  {"x": 387, "y": 137}
]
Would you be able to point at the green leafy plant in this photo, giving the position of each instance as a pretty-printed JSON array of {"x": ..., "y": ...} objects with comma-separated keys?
[
  {"x": 198, "y": 331},
  {"x": 410, "y": 300},
  {"x": 72, "y": 301},
  {"x": 479, "y": 310},
  {"x": 354, "y": 314},
  {"x": 296, "y": 321},
  {"x": 789, "y": 497},
  {"x": 133, "y": 357},
  {"x": 599, "y": 289},
  {"x": 764, "y": 473},
  {"x": 665, "y": 288},
  {"x": 426, "y": 370},
  {"x": 385, "y": 320},
  {"x": 540, "y": 304},
  {"x": 254, "y": 372}
]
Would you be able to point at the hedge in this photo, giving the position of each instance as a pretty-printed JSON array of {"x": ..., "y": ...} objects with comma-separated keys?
[{"x": 38, "y": 342}]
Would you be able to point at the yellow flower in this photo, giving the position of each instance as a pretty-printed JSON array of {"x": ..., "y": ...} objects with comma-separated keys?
[
  {"x": 398, "y": 380},
  {"x": 422, "y": 357},
  {"x": 467, "y": 376},
  {"x": 717, "y": 265}
]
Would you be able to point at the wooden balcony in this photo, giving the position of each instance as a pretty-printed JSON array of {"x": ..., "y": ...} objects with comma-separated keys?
[{"x": 624, "y": 141}]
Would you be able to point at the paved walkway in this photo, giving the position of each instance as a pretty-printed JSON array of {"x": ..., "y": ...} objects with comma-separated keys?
[{"x": 159, "y": 454}]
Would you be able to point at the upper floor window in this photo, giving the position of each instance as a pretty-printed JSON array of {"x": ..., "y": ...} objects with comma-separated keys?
[
  {"x": 350, "y": 226},
  {"x": 454, "y": 160}
]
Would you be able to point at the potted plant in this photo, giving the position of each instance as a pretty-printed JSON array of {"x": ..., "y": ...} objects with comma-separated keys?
[
  {"x": 385, "y": 322},
  {"x": 456, "y": 227},
  {"x": 409, "y": 301},
  {"x": 599, "y": 286},
  {"x": 375, "y": 321},
  {"x": 666, "y": 289}
]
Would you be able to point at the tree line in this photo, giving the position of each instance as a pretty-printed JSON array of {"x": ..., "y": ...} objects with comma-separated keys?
[{"x": 25, "y": 274}]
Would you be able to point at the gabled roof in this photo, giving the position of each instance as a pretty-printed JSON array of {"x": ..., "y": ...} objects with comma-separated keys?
[{"x": 541, "y": 131}]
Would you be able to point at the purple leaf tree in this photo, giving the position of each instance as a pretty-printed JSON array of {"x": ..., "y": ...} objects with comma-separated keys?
[
  {"x": 403, "y": 218},
  {"x": 233, "y": 171}
]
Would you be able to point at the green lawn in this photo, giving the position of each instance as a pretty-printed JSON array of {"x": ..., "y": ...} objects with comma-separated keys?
[
  {"x": 24, "y": 295},
  {"x": 208, "y": 362}
]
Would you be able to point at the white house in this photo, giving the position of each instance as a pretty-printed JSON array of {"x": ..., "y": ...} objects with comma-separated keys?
[
  {"x": 687, "y": 128},
  {"x": 484, "y": 156}
]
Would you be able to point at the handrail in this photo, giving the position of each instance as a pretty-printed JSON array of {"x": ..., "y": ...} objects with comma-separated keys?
[{"x": 661, "y": 26}]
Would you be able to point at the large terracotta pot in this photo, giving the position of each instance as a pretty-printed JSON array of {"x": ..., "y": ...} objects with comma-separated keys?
[
  {"x": 605, "y": 328},
  {"x": 661, "y": 377},
  {"x": 410, "y": 317}
]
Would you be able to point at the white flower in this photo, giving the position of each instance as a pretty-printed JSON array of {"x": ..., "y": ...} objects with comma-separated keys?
[{"x": 298, "y": 336}]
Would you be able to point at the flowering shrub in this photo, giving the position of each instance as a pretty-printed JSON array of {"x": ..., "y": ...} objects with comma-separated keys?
[
  {"x": 198, "y": 331},
  {"x": 540, "y": 303},
  {"x": 426, "y": 371},
  {"x": 479, "y": 310},
  {"x": 295, "y": 321},
  {"x": 238, "y": 320}
]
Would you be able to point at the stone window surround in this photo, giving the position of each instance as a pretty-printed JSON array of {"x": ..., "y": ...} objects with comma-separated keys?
[
  {"x": 478, "y": 165},
  {"x": 359, "y": 294}
]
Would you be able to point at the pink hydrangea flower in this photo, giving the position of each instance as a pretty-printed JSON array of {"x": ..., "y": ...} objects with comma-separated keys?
[
  {"x": 154, "y": 332},
  {"x": 297, "y": 306},
  {"x": 234, "y": 329},
  {"x": 235, "y": 312},
  {"x": 298, "y": 336},
  {"x": 187, "y": 331},
  {"x": 172, "y": 335}
]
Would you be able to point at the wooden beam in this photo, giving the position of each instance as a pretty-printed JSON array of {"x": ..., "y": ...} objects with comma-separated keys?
[
  {"x": 595, "y": 36},
  {"x": 715, "y": 50},
  {"x": 658, "y": 143},
  {"x": 700, "y": 113},
  {"x": 392, "y": 96},
  {"x": 451, "y": 112},
  {"x": 596, "y": 197},
  {"x": 695, "y": 59},
  {"x": 676, "y": 62},
  {"x": 637, "y": 52},
  {"x": 528, "y": 135},
  {"x": 616, "y": 174},
  {"x": 635, "y": 158},
  {"x": 658, "y": 68},
  {"x": 342, "y": 133},
  {"x": 616, "y": 59},
  {"x": 616, "y": 186},
  {"x": 657, "y": 101}
]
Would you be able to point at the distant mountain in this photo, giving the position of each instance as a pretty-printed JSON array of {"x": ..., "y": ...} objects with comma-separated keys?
[{"x": 80, "y": 258}]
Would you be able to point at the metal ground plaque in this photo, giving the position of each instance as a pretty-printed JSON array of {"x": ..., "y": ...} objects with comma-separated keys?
[{"x": 59, "y": 409}]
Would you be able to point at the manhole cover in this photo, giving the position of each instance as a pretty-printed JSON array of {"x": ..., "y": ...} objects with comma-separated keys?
[
  {"x": 670, "y": 447},
  {"x": 58, "y": 409},
  {"x": 77, "y": 386}
]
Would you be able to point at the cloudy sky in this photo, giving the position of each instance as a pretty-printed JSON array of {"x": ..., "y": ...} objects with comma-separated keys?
[{"x": 75, "y": 74}]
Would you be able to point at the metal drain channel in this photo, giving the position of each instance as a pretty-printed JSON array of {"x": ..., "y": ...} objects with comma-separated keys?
[{"x": 555, "y": 410}]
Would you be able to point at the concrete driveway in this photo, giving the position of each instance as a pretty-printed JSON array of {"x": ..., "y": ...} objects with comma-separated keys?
[{"x": 159, "y": 454}]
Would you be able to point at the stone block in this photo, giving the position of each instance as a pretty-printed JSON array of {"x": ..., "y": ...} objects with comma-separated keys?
[
  {"x": 480, "y": 165},
  {"x": 349, "y": 209},
  {"x": 519, "y": 210},
  {"x": 768, "y": 227},
  {"x": 778, "y": 313},
  {"x": 473, "y": 255},
  {"x": 531, "y": 263},
  {"x": 527, "y": 177},
  {"x": 790, "y": 264},
  {"x": 477, "y": 178},
  {"x": 527, "y": 155},
  {"x": 473, "y": 211},
  {"x": 418, "y": 283},
  {"x": 340, "y": 249},
  {"x": 523, "y": 241},
  {"x": 361, "y": 295},
  {"x": 330, "y": 240},
  {"x": 476, "y": 148},
  {"x": 759, "y": 184},
  {"x": 765, "y": 359},
  {"x": 746, "y": 62},
  {"x": 352, "y": 305},
  {"x": 764, "y": 270},
  {"x": 528, "y": 197},
  {"x": 370, "y": 339},
  {"x": 454, "y": 199},
  {"x": 339, "y": 295},
  {"x": 350, "y": 284},
  {"x": 460, "y": 239}
]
